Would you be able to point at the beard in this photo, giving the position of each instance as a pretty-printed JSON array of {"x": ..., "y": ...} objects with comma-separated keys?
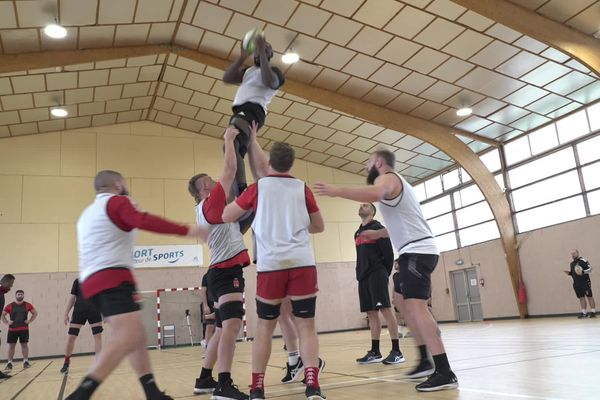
[{"x": 373, "y": 174}]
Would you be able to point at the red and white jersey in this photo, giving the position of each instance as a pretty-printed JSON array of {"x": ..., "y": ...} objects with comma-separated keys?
[
  {"x": 282, "y": 205},
  {"x": 407, "y": 227},
  {"x": 105, "y": 239},
  {"x": 225, "y": 241}
]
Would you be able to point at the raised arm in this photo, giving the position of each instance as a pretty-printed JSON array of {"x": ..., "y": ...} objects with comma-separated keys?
[
  {"x": 259, "y": 165},
  {"x": 383, "y": 187},
  {"x": 269, "y": 77},
  {"x": 230, "y": 163},
  {"x": 235, "y": 72}
]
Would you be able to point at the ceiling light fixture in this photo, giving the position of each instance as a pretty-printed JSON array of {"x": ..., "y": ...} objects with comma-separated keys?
[
  {"x": 59, "y": 112},
  {"x": 290, "y": 57},
  {"x": 463, "y": 112},
  {"x": 55, "y": 31}
]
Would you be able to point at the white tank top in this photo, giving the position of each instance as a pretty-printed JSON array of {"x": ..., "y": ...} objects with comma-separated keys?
[
  {"x": 225, "y": 241},
  {"x": 101, "y": 243},
  {"x": 281, "y": 225},
  {"x": 253, "y": 90},
  {"x": 404, "y": 220}
]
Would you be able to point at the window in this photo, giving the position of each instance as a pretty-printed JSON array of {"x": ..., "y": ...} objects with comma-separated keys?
[
  {"x": 436, "y": 207},
  {"x": 442, "y": 224},
  {"x": 541, "y": 168},
  {"x": 545, "y": 191},
  {"x": 594, "y": 202},
  {"x": 591, "y": 176},
  {"x": 479, "y": 233},
  {"x": 517, "y": 150},
  {"x": 589, "y": 150},
  {"x": 420, "y": 191},
  {"x": 446, "y": 242},
  {"x": 464, "y": 175},
  {"x": 543, "y": 139},
  {"x": 550, "y": 214},
  {"x": 473, "y": 214},
  {"x": 500, "y": 179},
  {"x": 451, "y": 179},
  {"x": 491, "y": 159},
  {"x": 466, "y": 196},
  {"x": 572, "y": 127},
  {"x": 433, "y": 187},
  {"x": 593, "y": 113}
]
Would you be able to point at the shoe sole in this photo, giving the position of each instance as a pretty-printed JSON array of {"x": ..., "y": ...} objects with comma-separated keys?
[
  {"x": 374, "y": 361},
  {"x": 394, "y": 362},
  {"x": 223, "y": 398},
  {"x": 316, "y": 397},
  {"x": 203, "y": 391},
  {"x": 296, "y": 376},
  {"x": 421, "y": 374},
  {"x": 448, "y": 386}
]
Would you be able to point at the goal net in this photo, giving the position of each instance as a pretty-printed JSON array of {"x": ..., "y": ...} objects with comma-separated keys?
[{"x": 178, "y": 307}]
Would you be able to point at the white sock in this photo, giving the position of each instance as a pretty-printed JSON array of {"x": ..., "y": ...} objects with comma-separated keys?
[
  {"x": 583, "y": 311},
  {"x": 9, "y": 361},
  {"x": 293, "y": 357},
  {"x": 593, "y": 310},
  {"x": 26, "y": 360}
]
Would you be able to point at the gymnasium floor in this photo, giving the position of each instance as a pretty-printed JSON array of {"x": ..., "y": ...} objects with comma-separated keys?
[{"x": 553, "y": 358}]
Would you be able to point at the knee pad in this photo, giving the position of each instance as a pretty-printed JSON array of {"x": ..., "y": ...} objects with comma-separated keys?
[
  {"x": 97, "y": 329},
  {"x": 267, "y": 311},
  {"x": 218, "y": 321},
  {"x": 231, "y": 309},
  {"x": 304, "y": 308},
  {"x": 74, "y": 331}
]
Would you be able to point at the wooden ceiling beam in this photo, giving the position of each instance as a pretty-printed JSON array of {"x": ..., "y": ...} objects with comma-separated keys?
[{"x": 582, "y": 47}]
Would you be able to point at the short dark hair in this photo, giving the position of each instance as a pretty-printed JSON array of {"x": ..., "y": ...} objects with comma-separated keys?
[
  {"x": 105, "y": 179},
  {"x": 192, "y": 187},
  {"x": 388, "y": 157},
  {"x": 19, "y": 291},
  {"x": 282, "y": 156},
  {"x": 7, "y": 278}
]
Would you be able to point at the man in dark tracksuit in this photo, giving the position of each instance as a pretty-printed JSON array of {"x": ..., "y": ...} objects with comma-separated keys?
[
  {"x": 580, "y": 272},
  {"x": 374, "y": 261}
]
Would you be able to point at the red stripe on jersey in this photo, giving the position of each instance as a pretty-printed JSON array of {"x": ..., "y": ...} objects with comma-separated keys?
[
  {"x": 105, "y": 279},
  {"x": 242, "y": 258},
  {"x": 359, "y": 240}
]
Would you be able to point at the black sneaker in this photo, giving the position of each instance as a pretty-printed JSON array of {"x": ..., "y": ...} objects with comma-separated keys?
[
  {"x": 395, "y": 357},
  {"x": 26, "y": 364},
  {"x": 293, "y": 372},
  {"x": 228, "y": 391},
  {"x": 592, "y": 315},
  {"x": 321, "y": 368},
  {"x": 165, "y": 396},
  {"x": 8, "y": 366},
  {"x": 580, "y": 316},
  {"x": 65, "y": 368},
  {"x": 438, "y": 381},
  {"x": 370, "y": 358},
  {"x": 313, "y": 393},
  {"x": 4, "y": 376},
  {"x": 423, "y": 369},
  {"x": 205, "y": 385},
  {"x": 257, "y": 394}
]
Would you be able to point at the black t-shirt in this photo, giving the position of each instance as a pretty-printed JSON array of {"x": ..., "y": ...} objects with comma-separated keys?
[
  {"x": 2, "y": 300},
  {"x": 372, "y": 255},
  {"x": 580, "y": 279},
  {"x": 76, "y": 291}
]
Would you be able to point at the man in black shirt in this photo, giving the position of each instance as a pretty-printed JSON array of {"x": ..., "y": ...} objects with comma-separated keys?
[
  {"x": 17, "y": 316},
  {"x": 374, "y": 261},
  {"x": 208, "y": 311},
  {"x": 580, "y": 272},
  {"x": 6, "y": 283},
  {"x": 83, "y": 311}
]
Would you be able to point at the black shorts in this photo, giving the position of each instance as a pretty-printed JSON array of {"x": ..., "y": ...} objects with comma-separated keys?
[
  {"x": 396, "y": 280},
  {"x": 583, "y": 289},
  {"x": 115, "y": 301},
  {"x": 223, "y": 281},
  {"x": 373, "y": 291},
  {"x": 248, "y": 112},
  {"x": 21, "y": 336},
  {"x": 414, "y": 280},
  {"x": 85, "y": 313}
]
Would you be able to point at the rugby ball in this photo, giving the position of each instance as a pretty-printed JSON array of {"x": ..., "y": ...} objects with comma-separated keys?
[{"x": 249, "y": 42}]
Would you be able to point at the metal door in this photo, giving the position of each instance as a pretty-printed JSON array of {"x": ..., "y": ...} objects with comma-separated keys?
[{"x": 466, "y": 295}]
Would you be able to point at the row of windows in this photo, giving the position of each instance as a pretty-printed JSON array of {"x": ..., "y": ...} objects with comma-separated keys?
[{"x": 557, "y": 187}]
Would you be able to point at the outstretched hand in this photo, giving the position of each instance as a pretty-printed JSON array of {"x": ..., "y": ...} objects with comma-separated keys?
[
  {"x": 324, "y": 189},
  {"x": 230, "y": 133},
  {"x": 261, "y": 42},
  {"x": 253, "y": 130}
]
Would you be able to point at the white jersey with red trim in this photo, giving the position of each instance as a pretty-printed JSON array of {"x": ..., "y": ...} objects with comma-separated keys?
[
  {"x": 281, "y": 224},
  {"x": 407, "y": 227},
  {"x": 101, "y": 243}
]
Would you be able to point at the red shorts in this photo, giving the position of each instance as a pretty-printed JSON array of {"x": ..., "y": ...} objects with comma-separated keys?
[{"x": 272, "y": 285}]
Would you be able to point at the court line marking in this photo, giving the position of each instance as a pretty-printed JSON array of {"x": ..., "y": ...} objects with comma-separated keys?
[
  {"x": 30, "y": 381},
  {"x": 63, "y": 385}
]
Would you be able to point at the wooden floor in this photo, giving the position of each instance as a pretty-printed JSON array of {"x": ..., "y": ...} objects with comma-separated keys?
[{"x": 554, "y": 358}]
